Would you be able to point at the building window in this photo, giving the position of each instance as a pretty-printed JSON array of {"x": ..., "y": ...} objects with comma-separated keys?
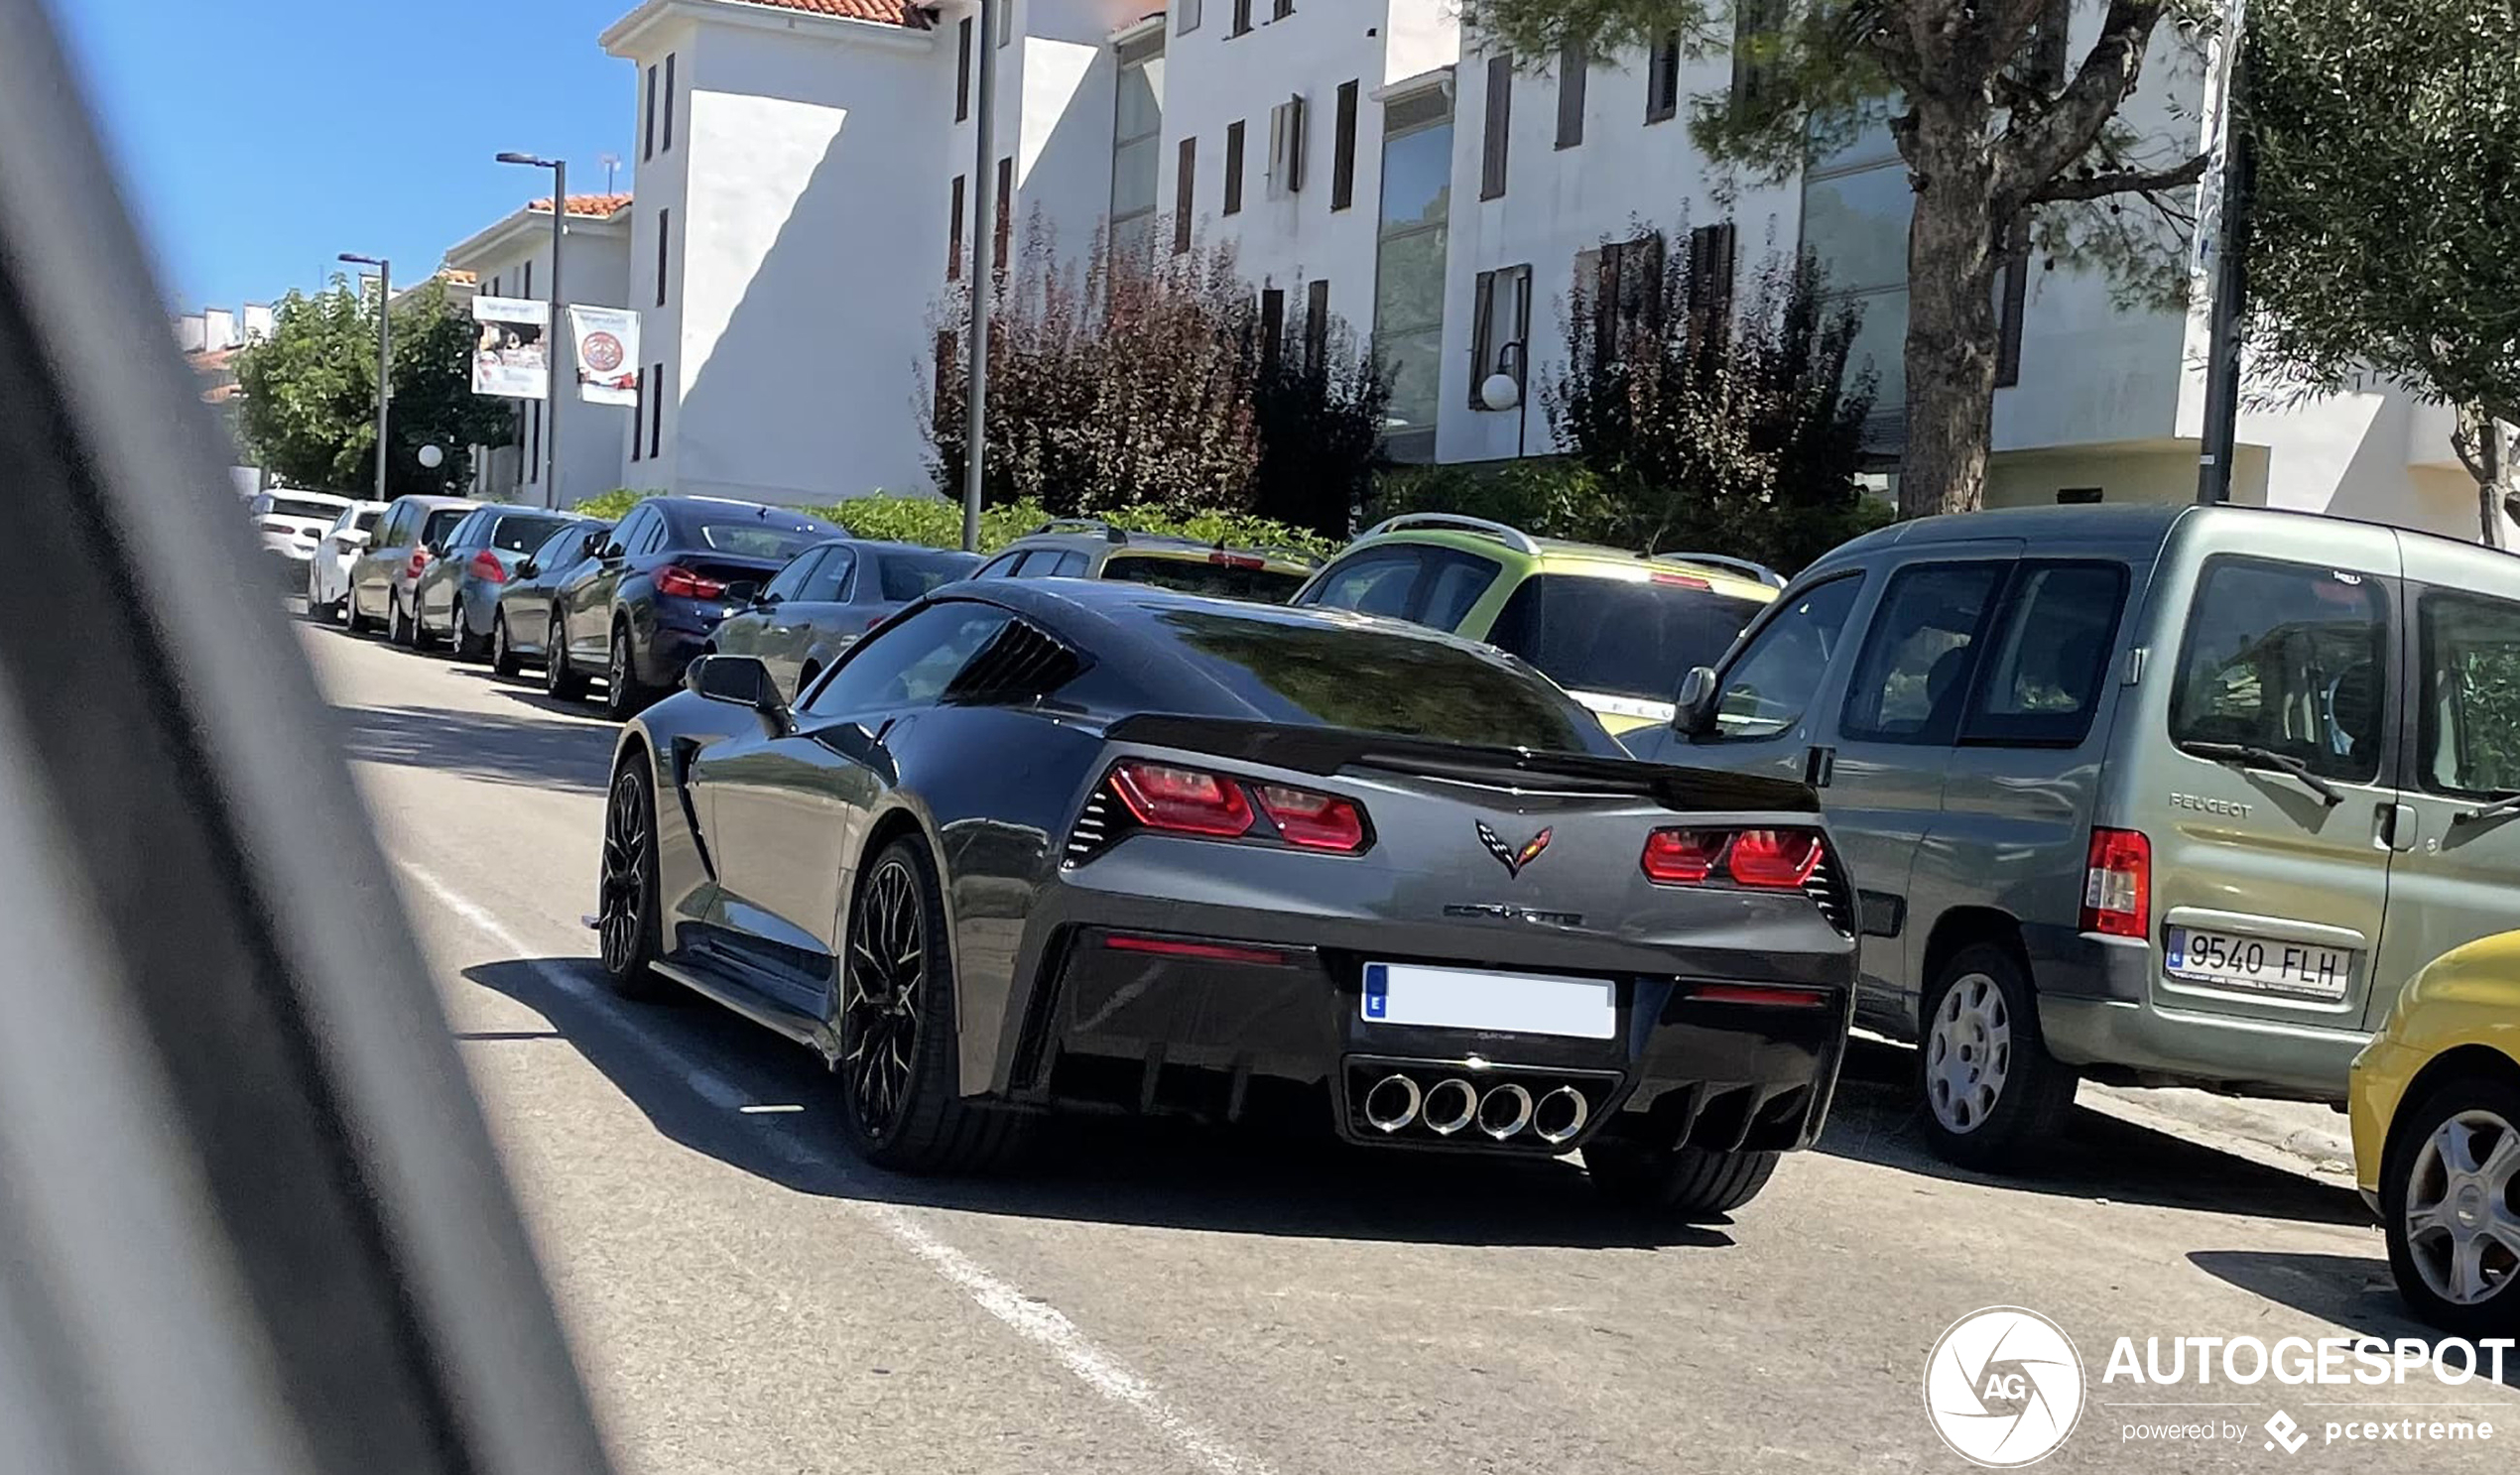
[
  {"x": 1005, "y": 247},
  {"x": 1272, "y": 327},
  {"x": 962, "y": 75},
  {"x": 663, "y": 233},
  {"x": 1279, "y": 10},
  {"x": 1242, "y": 18},
  {"x": 1496, "y": 125},
  {"x": 1316, "y": 325},
  {"x": 1417, "y": 190},
  {"x": 2012, "y": 294},
  {"x": 638, "y": 415},
  {"x": 1662, "y": 80},
  {"x": 1188, "y": 10},
  {"x": 1185, "y": 193},
  {"x": 1500, "y": 330},
  {"x": 1005, "y": 21},
  {"x": 494, "y": 286},
  {"x": 1627, "y": 292},
  {"x": 647, "y": 149},
  {"x": 656, "y": 410},
  {"x": 1343, "y": 149},
  {"x": 664, "y": 127},
  {"x": 534, "y": 456},
  {"x": 1234, "y": 168},
  {"x": 1710, "y": 256},
  {"x": 1137, "y": 147},
  {"x": 1755, "y": 24},
  {"x": 1574, "y": 69},
  {"x": 1286, "y": 148},
  {"x": 529, "y": 279},
  {"x": 954, "y": 234}
]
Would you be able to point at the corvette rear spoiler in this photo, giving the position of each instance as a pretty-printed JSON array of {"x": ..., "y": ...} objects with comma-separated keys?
[{"x": 1331, "y": 750}]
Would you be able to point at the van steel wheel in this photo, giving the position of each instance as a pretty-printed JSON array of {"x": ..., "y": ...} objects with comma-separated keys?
[
  {"x": 1990, "y": 1089},
  {"x": 2451, "y": 1206}
]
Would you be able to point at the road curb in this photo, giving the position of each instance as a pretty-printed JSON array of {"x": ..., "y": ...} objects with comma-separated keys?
[{"x": 2310, "y": 1135}]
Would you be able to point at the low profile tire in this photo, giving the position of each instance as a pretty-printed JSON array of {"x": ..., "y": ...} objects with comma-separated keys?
[
  {"x": 1686, "y": 1184},
  {"x": 626, "y": 914},
  {"x": 560, "y": 680},
  {"x": 900, "y": 1105},
  {"x": 503, "y": 656},
  {"x": 623, "y": 695},
  {"x": 1992, "y": 1094},
  {"x": 468, "y": 645},
  {"x": 400, "y": 628},
  {"x": 2449, "y": 1204}
]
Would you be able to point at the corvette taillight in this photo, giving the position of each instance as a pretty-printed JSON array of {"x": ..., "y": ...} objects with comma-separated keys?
[
  {"x": 1761, "y": 859},
  {"x": 1180, "y": 800},
  {"x": 682, "y": 583}
]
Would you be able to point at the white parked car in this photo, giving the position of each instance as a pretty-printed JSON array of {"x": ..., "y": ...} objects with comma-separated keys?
[
  {"x": 328, "y": 571},
  {"x": 289, "y": 522}
]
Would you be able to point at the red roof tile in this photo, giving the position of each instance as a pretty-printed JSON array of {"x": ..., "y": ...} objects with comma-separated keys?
[
  {"x": 585, "y": 205},
  {"x": 884, "y": 12}
]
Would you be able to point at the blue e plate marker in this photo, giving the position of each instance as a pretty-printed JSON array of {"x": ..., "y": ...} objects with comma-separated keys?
[{"x": 1378, "y": 990}]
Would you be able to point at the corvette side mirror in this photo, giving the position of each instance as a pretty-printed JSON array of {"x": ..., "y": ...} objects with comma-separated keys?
[{"x": 1694, "y": 708}]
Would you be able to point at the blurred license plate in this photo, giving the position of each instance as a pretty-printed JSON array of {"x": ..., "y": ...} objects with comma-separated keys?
[
  {"x": 1474, "y": 999},
  {"x": 2259, "y": 964}
]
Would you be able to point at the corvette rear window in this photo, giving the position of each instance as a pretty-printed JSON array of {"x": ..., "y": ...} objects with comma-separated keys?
[{"x": 1382, "y": 680}]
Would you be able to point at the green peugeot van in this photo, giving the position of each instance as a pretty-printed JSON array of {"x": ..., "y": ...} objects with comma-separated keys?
[{"x": 2151, "y": 794}]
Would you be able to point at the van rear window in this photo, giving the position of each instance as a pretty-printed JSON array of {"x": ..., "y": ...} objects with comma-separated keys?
[
  {"x": 1619, "y": 637},
  {"x": 2288, "y": 656}
]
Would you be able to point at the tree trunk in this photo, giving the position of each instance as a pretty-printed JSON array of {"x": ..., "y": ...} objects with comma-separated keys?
[
  {"x": 2479, "y": 442},
  {"x": 1952, "y": 262}
]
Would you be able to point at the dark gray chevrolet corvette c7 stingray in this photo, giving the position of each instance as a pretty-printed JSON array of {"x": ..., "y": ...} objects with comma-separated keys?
[{"x": 1057, "y": 846}]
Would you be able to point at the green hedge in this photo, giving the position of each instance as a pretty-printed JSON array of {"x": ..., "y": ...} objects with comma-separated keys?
[{"x": 936, "y": 522}]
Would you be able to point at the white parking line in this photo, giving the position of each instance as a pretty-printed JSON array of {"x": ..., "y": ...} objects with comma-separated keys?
[{"x": 1036, "y": 1320}]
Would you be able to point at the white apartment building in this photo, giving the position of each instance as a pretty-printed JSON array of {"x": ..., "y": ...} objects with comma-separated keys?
[
  {"x": 806, "y": 163},
  {"x": 513, "y": 259}
]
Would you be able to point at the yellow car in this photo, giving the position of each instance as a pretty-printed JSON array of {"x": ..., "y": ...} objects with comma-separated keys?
[
  {"x": 1618, "y": 630},
  {"x": 2436, "y": 1103}
]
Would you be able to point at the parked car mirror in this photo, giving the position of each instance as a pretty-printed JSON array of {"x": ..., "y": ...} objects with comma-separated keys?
[
  {"x": 1694, "y": 708},
  {"x": 437, "y": 548},
  {"x": 740, "y": 681},
  {"x": 744, "y": 592},
  {"x": 611, "y": 550},
  {"x": 351, "y": 537},
  {"x": 529, "y": 569}
]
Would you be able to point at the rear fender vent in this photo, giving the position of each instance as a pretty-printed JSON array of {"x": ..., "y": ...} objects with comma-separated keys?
[
  {"x": 1021, "y": 663},
  {"x": 1826, "y": 886},
  {"x": 1099, "y": 825}
]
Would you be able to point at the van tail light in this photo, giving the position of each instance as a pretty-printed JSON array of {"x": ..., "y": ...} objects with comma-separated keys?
[
  {"x": 2117, "y": 889},
  {"x": 1682, "y": 582},
  {"x": 682, "y": 583},
  {"x": 1223, "y": 559},
  {"x": 1760, "y": 859},
  {"x": 1179, "y": 801},
  {"x": 485, "y": 566}
]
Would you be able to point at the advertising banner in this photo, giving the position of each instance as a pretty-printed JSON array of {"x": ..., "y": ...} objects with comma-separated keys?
[
  {"x": 607, "y": 342},
  {"x": 507, "y": 355}
]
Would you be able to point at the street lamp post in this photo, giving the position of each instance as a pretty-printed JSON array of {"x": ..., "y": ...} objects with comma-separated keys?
[
  {"x": 384, "y": 355},
  {"x": 556, "y": 337},
  {"x": 975, "y": 414}
]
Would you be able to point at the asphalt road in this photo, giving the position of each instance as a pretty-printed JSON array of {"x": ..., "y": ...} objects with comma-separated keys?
[{"x": 744, "y": 1296}]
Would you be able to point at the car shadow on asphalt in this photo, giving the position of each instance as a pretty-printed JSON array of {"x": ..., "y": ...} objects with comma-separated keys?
[
  {"x": 2351, "y": 1291},
  {"x": 1115, "y": 1170},
  {"x": 2101, "y": 1157},
  {"x": 531, "y": 750}
]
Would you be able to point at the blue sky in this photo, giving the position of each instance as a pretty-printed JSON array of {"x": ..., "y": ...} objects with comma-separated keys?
[{"x": 257, "y": 139}]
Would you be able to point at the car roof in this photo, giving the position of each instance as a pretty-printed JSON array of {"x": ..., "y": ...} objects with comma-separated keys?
[
  {"x": 678, "y": 508},
  {"x": 1136, "y": 610},
  {"x": 1086, "y": 539},
  {"x": 434, "y": 502},
  {"x": 890, "y": 545},
  {"x": 2133, "y": 522},
  {"x": 1565, "y": 556}
]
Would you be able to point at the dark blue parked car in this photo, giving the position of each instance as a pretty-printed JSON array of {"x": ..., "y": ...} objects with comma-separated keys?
[{"x": 642, "y": 607}]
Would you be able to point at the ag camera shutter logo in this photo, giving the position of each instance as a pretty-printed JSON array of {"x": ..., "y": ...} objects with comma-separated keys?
[{"x": 2004, "y": 1387}]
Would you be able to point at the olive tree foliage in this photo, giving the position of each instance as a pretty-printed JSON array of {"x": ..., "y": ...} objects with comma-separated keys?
[
  {"x": 2383, "y": 236},
  {"x": 2004, "y": 132}
]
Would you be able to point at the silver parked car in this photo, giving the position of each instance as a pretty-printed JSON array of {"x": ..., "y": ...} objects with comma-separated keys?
[
  {"x": 826, "y": 597},
  {"x": 456, "y": 596},
  {"x": 2150, "y": 795}
]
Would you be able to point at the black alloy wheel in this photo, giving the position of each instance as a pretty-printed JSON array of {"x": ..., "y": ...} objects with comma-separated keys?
[
  {"x": 626, "y": 902},
  {"x": 900, "y": 1105},
  {"x": 623, "y": 695}
]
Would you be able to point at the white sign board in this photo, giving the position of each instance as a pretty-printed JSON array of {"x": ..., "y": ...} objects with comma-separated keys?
[
  {"x": 607, "y": 341},
  {"x": 508, "y": 356}
]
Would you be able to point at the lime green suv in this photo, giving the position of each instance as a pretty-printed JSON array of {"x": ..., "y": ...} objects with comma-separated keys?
[{"x": 1618, "y": 630}]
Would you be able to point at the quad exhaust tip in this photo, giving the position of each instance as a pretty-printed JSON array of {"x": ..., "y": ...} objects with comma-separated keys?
[
  {"x": 1504, "y": 1111},
  {"x": 1561, "y": 1115},
  {"x": 1392, "y": 1103},
  {"x": 1450, "y": 1105}
]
